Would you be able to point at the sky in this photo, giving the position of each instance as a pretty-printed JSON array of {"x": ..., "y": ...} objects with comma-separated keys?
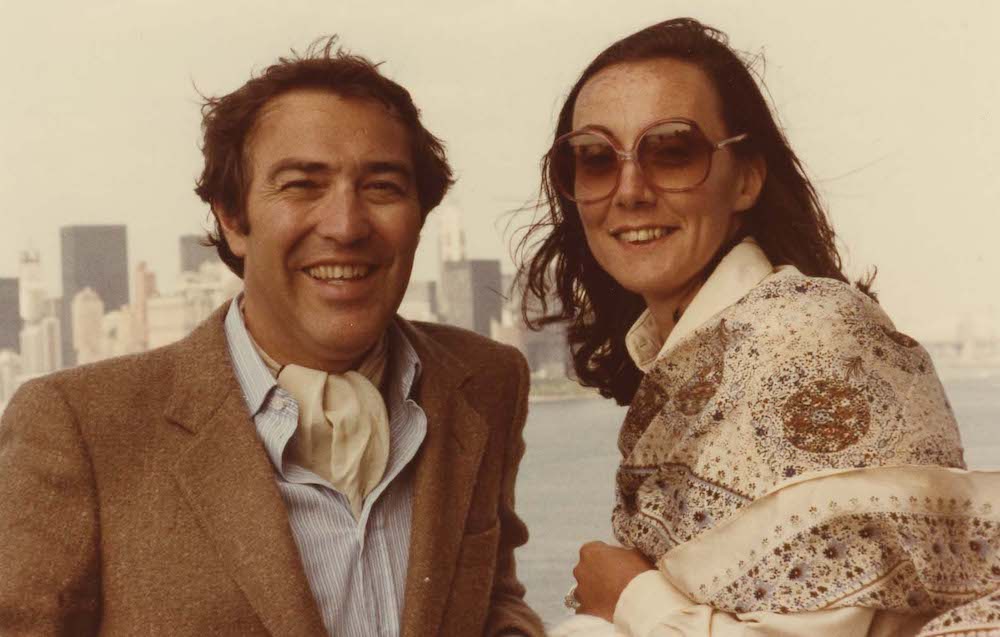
[{"x": 892, "y": 106}]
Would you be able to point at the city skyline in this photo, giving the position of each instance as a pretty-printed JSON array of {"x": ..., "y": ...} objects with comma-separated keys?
[
  {"x": 61, "y": 332},
  {"x": 117, "y": 103},
  {"x": 494, "y": 278},
  {"x": 92, "y": 322},
  {"x": 431, "y": 254}
]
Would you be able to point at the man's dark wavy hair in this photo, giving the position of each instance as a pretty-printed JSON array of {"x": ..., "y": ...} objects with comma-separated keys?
[
  {"x": 228, "y": 121},
  {"x": 561, "y": 281}
]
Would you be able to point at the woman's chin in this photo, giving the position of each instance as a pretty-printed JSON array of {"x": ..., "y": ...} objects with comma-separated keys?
[{"x": 648, "y": 285}]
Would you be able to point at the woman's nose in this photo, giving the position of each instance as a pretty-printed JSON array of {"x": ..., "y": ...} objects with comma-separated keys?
[{"x": 633, "y": 191}]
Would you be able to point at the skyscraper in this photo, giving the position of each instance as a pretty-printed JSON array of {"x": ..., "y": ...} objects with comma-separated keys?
[
  {"x": 171, "y": 317},
  {"x": 544, "y": 349},
  {"x": 420, "y": 302},
  {"x": 451, "y": 235},
  {"x": 10, "y": 313},
  {"x": 10, "y": 376},
  {"x": 40, "y": 347},
  {"x": 193, "y": 253},
  {"x": 95, "y": 257},
  {"x": 473, "y": 293},
  {"x": 143, "y": 289},
  {"x": 87, "y": 311},
  {"x": 31, "y": 291}
]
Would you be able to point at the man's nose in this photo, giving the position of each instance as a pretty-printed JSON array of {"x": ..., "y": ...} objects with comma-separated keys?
[
  {"x": 633, "y": 190},
  {"x": 344, "y": 217}
]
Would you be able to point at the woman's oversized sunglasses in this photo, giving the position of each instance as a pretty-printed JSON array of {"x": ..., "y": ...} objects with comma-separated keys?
[{"x": 672, "y": 155}]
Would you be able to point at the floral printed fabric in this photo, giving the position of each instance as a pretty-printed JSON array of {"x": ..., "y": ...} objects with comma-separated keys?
[{"x": 774, "y": 424}]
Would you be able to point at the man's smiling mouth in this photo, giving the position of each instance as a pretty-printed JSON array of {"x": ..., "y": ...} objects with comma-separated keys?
[{"x": 339, "y": 272}]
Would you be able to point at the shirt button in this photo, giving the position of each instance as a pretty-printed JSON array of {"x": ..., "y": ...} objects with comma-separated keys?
[{"x": 278, "y": 403}]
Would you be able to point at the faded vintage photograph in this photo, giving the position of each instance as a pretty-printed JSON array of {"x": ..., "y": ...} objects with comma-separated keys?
[{"x": 467, "y": 318}]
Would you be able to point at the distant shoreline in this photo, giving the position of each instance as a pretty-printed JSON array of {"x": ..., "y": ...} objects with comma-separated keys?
[
  {"x": 554, "y": 389},
  {"x": 554, "y": 398}
]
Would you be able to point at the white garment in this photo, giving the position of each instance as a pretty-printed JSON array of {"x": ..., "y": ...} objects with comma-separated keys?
[
  {"x": 738, "y": 272},
  {"x": 651, "y": 607},
  {"x": 654, "y": 604},
  {"x": 584, "y": 626}
]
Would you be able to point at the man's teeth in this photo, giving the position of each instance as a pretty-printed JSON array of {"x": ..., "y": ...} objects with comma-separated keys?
[
  {"x": 338, "y": 272},
  {"x": 642, "y": 234}
]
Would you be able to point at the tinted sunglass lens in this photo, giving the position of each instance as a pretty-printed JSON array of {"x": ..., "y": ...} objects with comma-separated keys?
[
  {"x": 674, "y": 156},
  {"x": 586, "y": 167}
]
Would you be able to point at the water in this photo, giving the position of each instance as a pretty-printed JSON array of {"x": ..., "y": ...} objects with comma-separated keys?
[
  {"x": 565, "y": 487},
  {"x": 976, "y": 401}
]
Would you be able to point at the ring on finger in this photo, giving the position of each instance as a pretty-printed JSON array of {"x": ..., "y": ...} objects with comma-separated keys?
[{"x": 570, "y": 601}]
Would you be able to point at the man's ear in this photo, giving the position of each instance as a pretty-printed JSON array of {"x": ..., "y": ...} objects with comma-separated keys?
[
  {"x": 753, "y": 173},
  {"x": 233, "y": 230}
]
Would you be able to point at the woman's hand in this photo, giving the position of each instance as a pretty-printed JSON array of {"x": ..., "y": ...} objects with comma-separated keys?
[{"x": 602, "y": 574}]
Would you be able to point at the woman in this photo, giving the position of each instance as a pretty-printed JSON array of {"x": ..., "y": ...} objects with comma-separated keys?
[{"x": 790, "y": 463}]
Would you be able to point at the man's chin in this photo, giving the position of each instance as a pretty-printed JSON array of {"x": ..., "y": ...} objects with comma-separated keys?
[{"x": 348, "y": 340}]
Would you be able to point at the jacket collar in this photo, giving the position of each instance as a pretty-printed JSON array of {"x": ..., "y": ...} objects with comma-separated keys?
[
  {"x": 203, "y": 374},
  {"x": 228, "y": 480},
  {"x": 249, "y": 524},
  {"x": 445, "y": 479}
]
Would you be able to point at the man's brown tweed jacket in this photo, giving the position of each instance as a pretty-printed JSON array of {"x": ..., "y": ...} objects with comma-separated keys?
[{"x": 137, "y": 499}]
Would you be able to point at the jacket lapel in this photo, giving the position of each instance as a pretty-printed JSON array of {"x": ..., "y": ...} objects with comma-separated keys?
[
  {"x": 227, "y": 478},
  {"x": 444, "y": 481}
]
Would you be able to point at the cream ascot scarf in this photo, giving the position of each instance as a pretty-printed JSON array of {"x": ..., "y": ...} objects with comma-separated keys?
[{"x": 343, "y": 433}]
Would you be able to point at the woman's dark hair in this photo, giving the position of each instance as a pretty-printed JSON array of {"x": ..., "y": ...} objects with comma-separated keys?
[
  {"x": 228, "y": 121},
  {"x": 787, "y": 220}
]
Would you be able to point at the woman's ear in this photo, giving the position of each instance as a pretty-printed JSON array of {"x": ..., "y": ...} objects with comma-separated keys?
[{"x": 753, "y": 172}]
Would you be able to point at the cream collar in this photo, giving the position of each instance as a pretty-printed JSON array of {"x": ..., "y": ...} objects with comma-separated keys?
[{"x": 738, "y": 272}]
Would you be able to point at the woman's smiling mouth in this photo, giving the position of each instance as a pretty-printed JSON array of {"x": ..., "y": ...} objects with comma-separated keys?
[{"x": 643, "y": 235}]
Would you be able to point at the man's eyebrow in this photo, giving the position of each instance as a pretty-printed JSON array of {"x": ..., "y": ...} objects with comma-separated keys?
[
  {"x": 312, "y": 167},
  {"x": 388, "y": 166},
  {"x": 299, "y": 165}
]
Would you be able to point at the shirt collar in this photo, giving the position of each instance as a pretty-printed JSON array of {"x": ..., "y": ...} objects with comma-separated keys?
[
  {"x": 252, "y": 373},
  {"x": 257, "y": 382},
  {"x": 738, "y": 272}
]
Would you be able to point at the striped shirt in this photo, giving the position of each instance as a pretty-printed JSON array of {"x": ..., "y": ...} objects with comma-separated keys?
[{"x": 356, "y": 568}]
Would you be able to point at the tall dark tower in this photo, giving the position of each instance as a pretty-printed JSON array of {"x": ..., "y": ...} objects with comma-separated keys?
[
  {"x": 94, "y": 257},
  {"x": 193, "y": 253},
  {"x": 10, "y": 314},
  {"x": 473, "y": 292}
]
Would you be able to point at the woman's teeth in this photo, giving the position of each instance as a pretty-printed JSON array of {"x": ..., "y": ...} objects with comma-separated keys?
[
  {"x": 643, "y": 234},
  {"x": 338, "y": 272}
]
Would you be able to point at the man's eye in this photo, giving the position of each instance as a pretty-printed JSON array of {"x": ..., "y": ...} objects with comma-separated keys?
[
  {"x": 385, "y": 191},
  {"x": 386, "y": 186},
  {"x": 299, "y": 184}
]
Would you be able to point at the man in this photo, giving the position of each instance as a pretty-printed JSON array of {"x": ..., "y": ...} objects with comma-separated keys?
[{"x": 305, "y": 462}]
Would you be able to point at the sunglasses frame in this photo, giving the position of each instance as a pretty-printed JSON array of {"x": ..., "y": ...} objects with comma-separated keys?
[{"x": 630, "y": 154}]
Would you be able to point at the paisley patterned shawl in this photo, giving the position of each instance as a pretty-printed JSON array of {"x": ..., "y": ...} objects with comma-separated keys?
[{"x": 793, "y": 454}]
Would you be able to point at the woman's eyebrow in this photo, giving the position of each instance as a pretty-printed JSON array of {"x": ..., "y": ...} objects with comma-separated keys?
[{"x": 594, "y": 127}]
